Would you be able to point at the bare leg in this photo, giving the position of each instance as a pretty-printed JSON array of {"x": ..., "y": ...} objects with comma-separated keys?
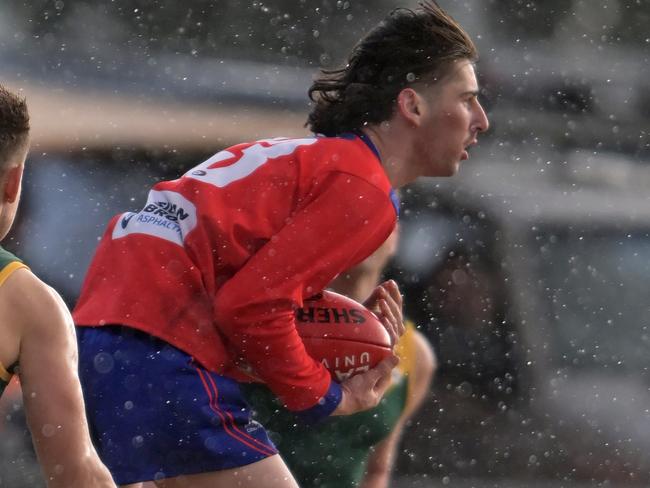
[{"x": 269, "y": 473}]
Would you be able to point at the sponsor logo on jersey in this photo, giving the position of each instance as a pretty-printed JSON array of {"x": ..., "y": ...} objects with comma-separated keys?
[
  {"x": 168, "y": 210},
  {"x": 124, "y": 221},
  {"x": 167, "y": 215}
]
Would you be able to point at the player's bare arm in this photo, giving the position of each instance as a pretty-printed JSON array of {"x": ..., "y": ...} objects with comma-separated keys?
[{"x": 53, "y": 401}]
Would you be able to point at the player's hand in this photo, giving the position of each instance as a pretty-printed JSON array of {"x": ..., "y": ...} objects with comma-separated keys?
[
  {"x": 386, "y": 302},
  {"x": 364, "y": 391}
]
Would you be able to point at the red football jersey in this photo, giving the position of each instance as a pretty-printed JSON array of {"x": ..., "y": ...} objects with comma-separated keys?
[{"x": 218, "y": 260}]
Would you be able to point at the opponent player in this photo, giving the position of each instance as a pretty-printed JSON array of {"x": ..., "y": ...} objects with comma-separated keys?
[
  {"x": 208, "y": 274},
  {"x": 355, "y": 450},
  {"x": 38, "y": 340}
]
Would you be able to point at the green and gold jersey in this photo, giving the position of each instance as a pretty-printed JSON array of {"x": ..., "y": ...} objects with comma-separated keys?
[
  {"x": 334, "y": 453},
  {"x": 8, "y": 264}
]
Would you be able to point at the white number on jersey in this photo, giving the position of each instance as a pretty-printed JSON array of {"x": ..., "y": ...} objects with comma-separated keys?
[{"x": 252, "y": 158}]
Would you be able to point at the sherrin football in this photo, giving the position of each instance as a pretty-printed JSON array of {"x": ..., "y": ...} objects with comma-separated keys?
[{"x": 342, "y": 334}]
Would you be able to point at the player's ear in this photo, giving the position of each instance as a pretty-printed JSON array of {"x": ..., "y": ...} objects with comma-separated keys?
[
  {"x": 12, "y": 181},
  {"x": 409, "y": 106}
]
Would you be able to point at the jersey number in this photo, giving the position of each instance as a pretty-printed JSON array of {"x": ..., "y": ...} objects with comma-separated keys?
[{"x": 251, "y": 158}]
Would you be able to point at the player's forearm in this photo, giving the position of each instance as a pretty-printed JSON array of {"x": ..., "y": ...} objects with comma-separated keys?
[
  {"x": 57, "y": 421},
  {"x": 381, "y": 460},
  {"x": 64, "y": 449},
  {"x": 266, "y": 338},
  {"x": 62, "y": 443},
  {"x": 376, "y": 480},
  {"x": 81, "y": 472}
]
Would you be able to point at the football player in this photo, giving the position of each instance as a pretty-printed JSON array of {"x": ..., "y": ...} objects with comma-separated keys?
[
  {"x": 207, "y": 274},
  {"x": 38, "y": 339}
]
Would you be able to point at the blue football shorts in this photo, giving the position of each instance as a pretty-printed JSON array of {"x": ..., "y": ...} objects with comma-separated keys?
[{"x": 155, "y": 413}]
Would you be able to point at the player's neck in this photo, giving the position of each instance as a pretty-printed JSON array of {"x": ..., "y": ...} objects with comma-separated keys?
[{"x": 394, "y": 149}]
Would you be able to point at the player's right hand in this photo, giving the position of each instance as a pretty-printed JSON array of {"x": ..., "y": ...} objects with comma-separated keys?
[
  {"x": 364, "y": 391},
  {"x": 386, "y": 302}
]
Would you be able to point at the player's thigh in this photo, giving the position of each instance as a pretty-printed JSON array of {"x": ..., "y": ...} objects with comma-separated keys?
[{"x": 270, "y": 472}]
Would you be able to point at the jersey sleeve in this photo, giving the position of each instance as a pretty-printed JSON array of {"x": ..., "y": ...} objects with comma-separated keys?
[{"x": 341, "y": 225}]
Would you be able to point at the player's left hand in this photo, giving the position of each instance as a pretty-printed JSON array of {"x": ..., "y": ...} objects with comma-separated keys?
[
  {"x": 386, "y": 302},
  {"x": 364, "y": 390}
]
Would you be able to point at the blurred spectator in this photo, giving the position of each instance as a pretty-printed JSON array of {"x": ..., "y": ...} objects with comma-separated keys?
[{"x": 468, "y": 323}]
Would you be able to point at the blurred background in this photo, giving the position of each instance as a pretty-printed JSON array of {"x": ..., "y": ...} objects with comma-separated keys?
[{"x": 529, "y": 272}]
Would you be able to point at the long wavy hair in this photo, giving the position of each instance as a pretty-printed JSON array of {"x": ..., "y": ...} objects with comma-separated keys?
[{"x": 407, "y": 47}]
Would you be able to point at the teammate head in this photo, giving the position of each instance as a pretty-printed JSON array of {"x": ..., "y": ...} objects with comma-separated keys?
[
  {"x": 411, "y": 78},
  {"x": 14, "y": 143}
]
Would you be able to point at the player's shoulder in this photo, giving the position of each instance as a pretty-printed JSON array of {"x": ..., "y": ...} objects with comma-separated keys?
[
  {"x": 309, "y": 158},
  {"x": 350, "y": 153},
  {"x": 343, "y": 152},
  {"x": 270, "y": 147},
  {"x": 26, "y": 300},
  {"x": 27, "y": 290},
  {"x": 309, "y": 145},
  {"x": 344, "y": 146},
  {"x": 8, "y": 264}
]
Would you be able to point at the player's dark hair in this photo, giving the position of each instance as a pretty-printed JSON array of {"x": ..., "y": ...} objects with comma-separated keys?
[
  {"x": 407, "y": 47},
  {"x": 14, "y": 125}
]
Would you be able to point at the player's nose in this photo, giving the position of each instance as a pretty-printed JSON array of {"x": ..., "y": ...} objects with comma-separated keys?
[{"x": 480, "y": 122}]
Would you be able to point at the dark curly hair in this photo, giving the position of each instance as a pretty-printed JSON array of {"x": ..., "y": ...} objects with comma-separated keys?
[
  {"x": 14, "y": 125},
  {"x": 407, "y": 47}
]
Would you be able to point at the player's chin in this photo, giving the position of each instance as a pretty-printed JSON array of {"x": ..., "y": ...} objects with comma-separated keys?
[
  {"x": 455, "y": 166},
  {"x": 448, "y": 166},
  {"x": 448, "y": 170},
  {"x": 451, "y": 169}
]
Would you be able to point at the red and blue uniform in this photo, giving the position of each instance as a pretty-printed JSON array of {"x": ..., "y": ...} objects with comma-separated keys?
[{"x": 218, "y": 260}]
